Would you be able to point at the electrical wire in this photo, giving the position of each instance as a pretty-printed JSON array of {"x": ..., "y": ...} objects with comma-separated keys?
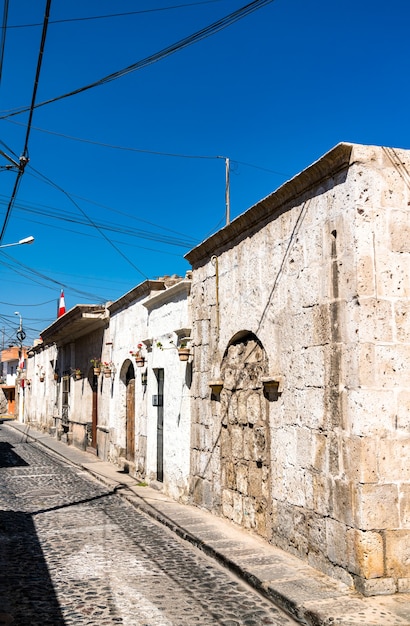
[
  {"x": 208, "y": 31},
  {"x": 92, "y": 223},
  {"x": 3, "y": 35},
  {"x": 144, "y": 151},
  {"x": 185, "y": 241},
  {"x": 30, "y": 305},
  {"x": 44, "y": 277},
  {"x": 100, "y": 17},
  {"x": 24, "y": 156}
]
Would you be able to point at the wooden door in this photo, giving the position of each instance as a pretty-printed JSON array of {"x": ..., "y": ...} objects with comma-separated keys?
[
  {"x": 11, "y": 402},
  {"x": 130, "y": 417}
]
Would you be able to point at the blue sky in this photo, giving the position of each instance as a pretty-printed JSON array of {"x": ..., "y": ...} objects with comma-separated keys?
[{"x": 273, "y": 92}]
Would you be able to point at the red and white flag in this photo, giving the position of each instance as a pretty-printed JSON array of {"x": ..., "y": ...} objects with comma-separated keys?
[{"x": 61, "y": 305}]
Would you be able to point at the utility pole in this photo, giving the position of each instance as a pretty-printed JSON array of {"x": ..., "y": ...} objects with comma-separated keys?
[{"x": 227, "y": 192}]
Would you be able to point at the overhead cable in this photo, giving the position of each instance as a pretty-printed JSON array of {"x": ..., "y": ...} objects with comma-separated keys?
[
  {"x": 213, "y": 28},
  {"x": 145, "y": 151},
  {"x": 3, "y": 35},
  {"x": 92, "y": 223},
  {"x": 110, "y": 15},
  {"x": 24, "y": 157},
  {"x": 44, "y": 277}
]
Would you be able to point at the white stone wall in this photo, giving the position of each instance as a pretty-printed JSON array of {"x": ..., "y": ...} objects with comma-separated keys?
[
  {"x": 128, "y": 327},
  {"x": 322, "y": 280},
  {"x": 168, "y": 313},
  {"x": 40, "y": 396}
]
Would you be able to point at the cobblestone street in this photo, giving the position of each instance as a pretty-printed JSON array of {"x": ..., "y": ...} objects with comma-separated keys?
[{"x": 73, "y": 552}]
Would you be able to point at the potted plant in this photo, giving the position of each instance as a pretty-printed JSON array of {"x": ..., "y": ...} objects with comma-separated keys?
[
  {"x": 107, "y": 366},
  {"x": 183, "y": 351},
  {"x": 96, "y": 363},
  {"x": 137, "y": 354},
  {"x": 77, "y": 373}
]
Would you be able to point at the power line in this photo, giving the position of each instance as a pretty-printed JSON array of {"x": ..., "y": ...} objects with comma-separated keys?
[
  {"x": 185, "y": 242},
  {"x": 92, "y": 223},
  {"x": 38, "y": 274},
  {"x": 24, "y": 157},
  {"x": 3, "y": 35},
  {"x": 21, "y": 305},
  {"x": 213, "y": 28},
  {"x": 111, "y": 15},
  {"x": 144, "y": 151}
]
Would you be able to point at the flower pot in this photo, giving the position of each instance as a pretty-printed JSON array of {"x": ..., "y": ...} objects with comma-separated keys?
[
  {"x": 107, "y": 373},
  {"x": 77, "y": 376},
  {"x": 183, "y": 354},
  {"x": 42, "y": 379},
  {"x": 139, "y": 360},
  {"x": 97, "y": 371}
]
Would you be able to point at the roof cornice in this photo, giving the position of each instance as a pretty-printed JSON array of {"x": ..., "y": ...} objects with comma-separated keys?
[{"x": 328, "y": 166}]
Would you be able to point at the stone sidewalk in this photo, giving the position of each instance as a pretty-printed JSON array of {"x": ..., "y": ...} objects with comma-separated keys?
[{"x": 306, "y": 594}]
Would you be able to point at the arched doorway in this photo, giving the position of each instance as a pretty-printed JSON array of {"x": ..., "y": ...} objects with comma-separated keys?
[
  {"x": 245, "y": 437},
  {"x": 130, "y": 413}
]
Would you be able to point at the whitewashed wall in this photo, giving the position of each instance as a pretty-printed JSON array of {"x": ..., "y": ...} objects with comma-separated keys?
[{"x": 168, "y": 313}]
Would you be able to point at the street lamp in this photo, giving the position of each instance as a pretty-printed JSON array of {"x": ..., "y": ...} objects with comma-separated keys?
[{"x": 19, "y": 243}]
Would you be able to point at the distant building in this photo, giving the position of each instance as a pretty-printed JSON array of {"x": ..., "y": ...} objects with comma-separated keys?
[{"x": 11, "y": 359}]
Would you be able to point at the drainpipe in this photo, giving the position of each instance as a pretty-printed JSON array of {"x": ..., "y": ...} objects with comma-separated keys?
[{"x": 214, "y": 261}]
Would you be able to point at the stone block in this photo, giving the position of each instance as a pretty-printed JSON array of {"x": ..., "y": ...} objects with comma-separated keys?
[
  {"x": 376, "y": 586},
  {"x": 253, "y": 408},
  {"x": 394, "y": 459},
  {"x": 365, "y": 553},
  {"x": 375, "y": 319},
  {"x": 242, "y": 478},
  {"x": 370, "y": 412},
  {"x": 366, "y": 365},
  {"x": 393, "y": 363},
  {"x": 311, "y": 362},
  {"x": 403, "y": 585},
  {"x": 317, "y": 533},
  {"x": 227, "y": 503},
  {"x": 237, "y": 441},
  {"x": 397, "y": 553},
  {"x": 360, "y": 459},
  {"x": 393, "y": 272},
  {"x": 365, "y": 277},
  {"x": 321, "y": 494},
  {"x": 342, "y": 501},
  {"x": 255, "y": 480},
  {"x": 399, "y": 229},
  {"x": 402, "y": 320},
  {"x": 403, "y": 411},
  {"x": 237, "y": 516},
  {"x": 376, "y": 507},
  {"x": 304, "y": 448},
  {"x": 318, "y": 452},
  {"x": 249, "y": 518},
  {"x": 404, "y": 504},
  {"x": 336, "y": 542}
]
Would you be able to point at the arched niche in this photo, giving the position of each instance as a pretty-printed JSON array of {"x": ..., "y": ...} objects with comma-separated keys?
[{"x": 245, "y": 436}]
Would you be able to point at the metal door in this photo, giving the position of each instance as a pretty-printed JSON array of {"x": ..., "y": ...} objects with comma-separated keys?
[
  {"x": 160, "y": 425},
  {"x": 94, "y": 416}
]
